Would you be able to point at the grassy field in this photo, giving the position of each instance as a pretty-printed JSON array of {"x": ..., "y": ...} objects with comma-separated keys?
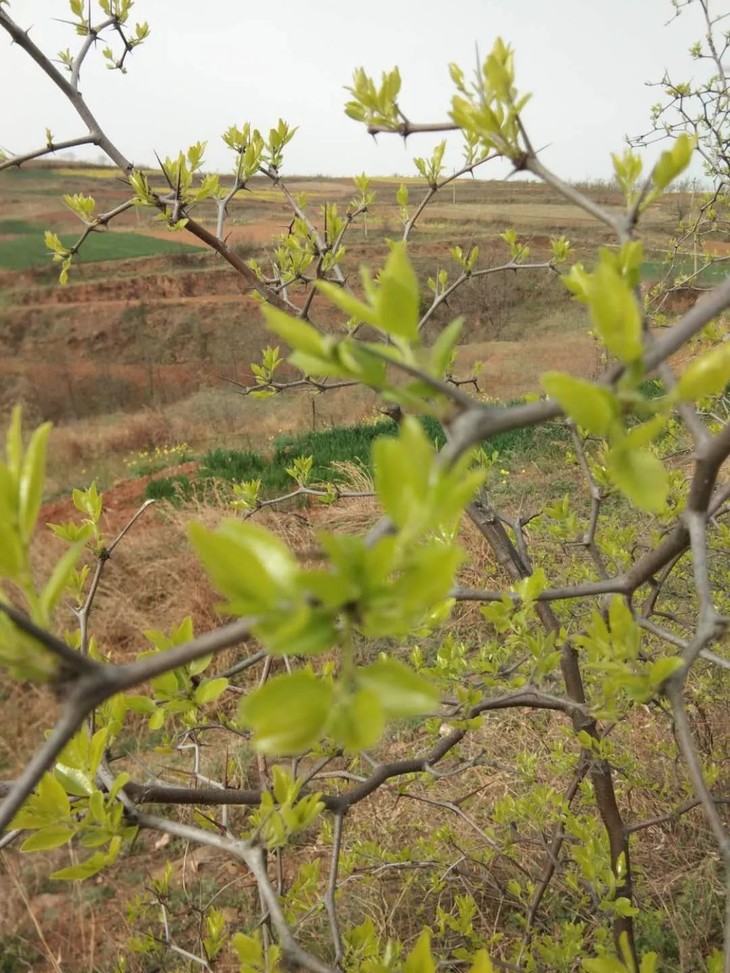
[
  {"x": 18, "y": 227},
  {"x": 27, "y": 249},
  {"x": 657, "y": 269}
]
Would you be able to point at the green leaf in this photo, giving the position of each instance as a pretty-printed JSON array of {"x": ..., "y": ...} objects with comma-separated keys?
[
  {"x": 249, "y": 951},
  {"x": 14, "y": 443},
  {"x": 640, "y": 475},
  {"x": 627, "y": 169},
  {"x": 402, "y": 469},
  {"x": 199, "y": 665},
  {"x": 88, "y": 502},
  {"x": 118, "y": 784},
  {"x": 649, "y": 963},
  {"x": 92, "y": 865},
  {"x": 141, "y": 704},
  {"x": 673, "y": 161},
  {"x": 299, "y": 335},
  {"x": 12, "y": 555},
  {"x": 615, "y": 313},
  {"x": 645, "y": 433},
  {"x": 420, "y": 959},
  {"x": 48, "y": 805},
  {"x": 32, "y": 477},
  {"x": 288, "y": 715},
  {"x": 74, "y": 780},
  {"x": 58, "y": 581},
  {"x": 662, "y": 669},
  {"x": 706, "y": 375},
  {"x": 297, "y": 630},
  {"x": 529, "y": 589},
  {"x": 400, "y": 691},
  {"x": 625, "y": 633},
  {"x": 358, "y": 721},
  {"x": 47, "y": 838},
  {"x": 398, "y": 296},
  {"x": 481, "y": 963},
  {"x": 52, "y": 798},
  {"x": 348, "y": 303},
  {"x": 71, "y": 532},
  {"x": 604, "y": 964},
  {"x": 427, "y": 577},
  {"x": 248, "y": 564},
  {"x": 593, "y": 408},
  {"x": 443, "y": 347},
  {"x": 209, "y": 690}
]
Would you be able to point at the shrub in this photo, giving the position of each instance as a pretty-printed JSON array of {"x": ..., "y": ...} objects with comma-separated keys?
[{"x": 519, "y": 725}]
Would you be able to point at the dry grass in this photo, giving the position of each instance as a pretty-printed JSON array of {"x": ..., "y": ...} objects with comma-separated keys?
[{"x": 154, "y": 580}]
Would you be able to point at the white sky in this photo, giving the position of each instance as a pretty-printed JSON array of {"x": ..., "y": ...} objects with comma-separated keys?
[{"x": 211, "y": 63}]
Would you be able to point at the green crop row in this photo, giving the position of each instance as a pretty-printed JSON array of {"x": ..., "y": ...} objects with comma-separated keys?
[{"x": 27, "y": 248}]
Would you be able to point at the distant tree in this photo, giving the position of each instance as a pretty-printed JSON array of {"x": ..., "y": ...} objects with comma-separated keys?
[
  {"x": 701, "y": 107},
  {"x": 608, "y": 614}
]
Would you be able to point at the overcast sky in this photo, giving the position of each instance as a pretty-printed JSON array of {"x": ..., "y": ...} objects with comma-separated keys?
[{"x": 211, "y": 63}]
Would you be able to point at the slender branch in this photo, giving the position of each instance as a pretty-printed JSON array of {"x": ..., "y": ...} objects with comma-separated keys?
[
  {"x": 93, "y": 684},
  {"x": 555, "y": 847},
  {"x": 135, "y": 673},
  {"x": 71, "y": 661},
  {"x": 683, "y": 735},
  {"x": 692, "y": 322},
  {"x": 406, "y": 128},
  {"x": 48, "y": 149},
  {"x": 445, "y": 388},
  {"x": 244, "y": 664},
  {"x": 87, "y": 693},
  {"x": 301, "y": 384},
  {"x": 444, "y": 295},
  {"x": 672, "y": 815},
  {"x": 10, "y": 836},
  {"x": 594, "y": 490},
  {"x": 89, "y": 41},
  {"x": 715, "y": 659},
  {"x": 96, "y": 135},
  {"x": 84, "y": 612},
  {"x": 330, "y": 902},
  {"x": 533, "y": 165},
  {"x": 252, "y": 856},
  {"x": 303, "y": 491}
]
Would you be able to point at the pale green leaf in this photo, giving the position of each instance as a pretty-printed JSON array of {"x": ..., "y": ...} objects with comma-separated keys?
[
  {"x": 641, "y": 476},
  {"x": 615, "y": 313},
  {"x": 358, "y": 721},
  {"x": 706, "y": 375},
  {"x": 289, "y": 713},
  {"x": 593, "y": 408},
  {"x": 32, "y": 477},
  {"x": 47, "y": 838},
  {"x": 481, "y": 963},
  {"x": 397, "y": 300},
  {"x": 420, "y": 959},
  {"x": 209, "y": 690},
  {"x": 401, "y": 691},
  {"x": 247, "y": 563}
]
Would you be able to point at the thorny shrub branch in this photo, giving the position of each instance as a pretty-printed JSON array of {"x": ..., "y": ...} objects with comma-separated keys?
[{"x": 88, "y": 683}]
